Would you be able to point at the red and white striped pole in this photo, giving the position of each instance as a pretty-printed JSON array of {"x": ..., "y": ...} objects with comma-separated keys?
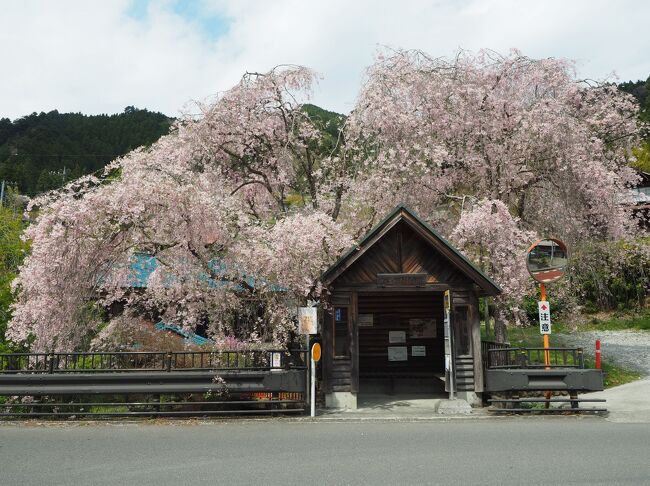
[{"x": 597, "y": 354}]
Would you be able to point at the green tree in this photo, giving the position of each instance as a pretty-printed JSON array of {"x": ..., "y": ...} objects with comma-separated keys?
[
  {"x": 642, "y": 154},
  {"x": 36, "y": 150},
  {"x": 12, "y": 251}
]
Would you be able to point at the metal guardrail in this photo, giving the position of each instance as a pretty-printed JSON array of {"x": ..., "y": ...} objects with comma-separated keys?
[
  {"x": 504, "y": 358},
  {"x": 517, "y": 371},
  {"x": 153, "y": 383}
]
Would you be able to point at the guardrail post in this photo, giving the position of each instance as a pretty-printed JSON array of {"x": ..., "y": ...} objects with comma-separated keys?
[
  {"x": 51, "y": 364},
  {"x": 581, "y": 358},
  {"x": 169, "y": 362}
]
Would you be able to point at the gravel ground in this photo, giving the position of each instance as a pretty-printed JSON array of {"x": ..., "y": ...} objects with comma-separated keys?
[{"x": 630, "y": 349}]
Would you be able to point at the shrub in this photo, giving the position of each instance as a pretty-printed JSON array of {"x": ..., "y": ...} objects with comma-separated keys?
[{"x": 611, "y": 275}]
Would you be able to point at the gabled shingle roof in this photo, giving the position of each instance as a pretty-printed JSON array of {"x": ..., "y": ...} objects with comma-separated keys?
[{"x": 403, "y": 212}]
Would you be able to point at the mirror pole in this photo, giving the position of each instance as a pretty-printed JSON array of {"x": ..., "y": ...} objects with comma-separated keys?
[{"x": 547, "y": 354}]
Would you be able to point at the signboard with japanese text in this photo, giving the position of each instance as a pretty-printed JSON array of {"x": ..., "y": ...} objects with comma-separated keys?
[
  {"x": 402, "y": 279},
  {"x": 544, "y": 317},
  {"x": 397, "y": 353},
  {"x": 422, "y": 328},
  {"x": 307, "y": 320},
  {"x": 448, "y": 339},
  {"x": 418, "y": 351},
  {"x": 395, "y": 337},
  {"x": 447, "y": 328},
  {"x": 365, "y": 320}
]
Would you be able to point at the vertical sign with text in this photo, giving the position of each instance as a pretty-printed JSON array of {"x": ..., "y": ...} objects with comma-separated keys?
[
  {"x": 448, "y": 339},
  {"x": 544, "y": 317}
]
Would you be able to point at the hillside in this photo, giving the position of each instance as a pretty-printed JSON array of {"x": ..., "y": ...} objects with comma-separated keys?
[{"x": 40, "y": 151}]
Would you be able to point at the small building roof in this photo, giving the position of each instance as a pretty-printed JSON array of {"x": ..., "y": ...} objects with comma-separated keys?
[
  {"x": 430, "y": 235},
  {"x": 142, "y": 265}
]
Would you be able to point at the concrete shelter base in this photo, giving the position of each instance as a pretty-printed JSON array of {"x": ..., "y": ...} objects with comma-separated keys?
[
  {"x": 470, "y": 397},
  {"x": 454, "y": 407},
  {"x": 341, "y": 400}
]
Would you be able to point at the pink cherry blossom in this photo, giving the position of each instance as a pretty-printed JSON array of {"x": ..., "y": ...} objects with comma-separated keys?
[{"x": 492, "y": 150}]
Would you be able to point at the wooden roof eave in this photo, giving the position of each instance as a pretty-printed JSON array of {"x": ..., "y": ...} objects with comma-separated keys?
[{"x": 402, "y": 213}]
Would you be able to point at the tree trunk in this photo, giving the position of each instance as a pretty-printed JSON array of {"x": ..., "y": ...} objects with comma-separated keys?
[{"x": 500, "y": 331}]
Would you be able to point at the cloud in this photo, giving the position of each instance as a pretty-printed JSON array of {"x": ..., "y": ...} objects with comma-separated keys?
[{"x": 98, "y": 57}]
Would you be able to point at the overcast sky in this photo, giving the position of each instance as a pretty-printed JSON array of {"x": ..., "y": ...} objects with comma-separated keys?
[{"x": 98, "y": 56}]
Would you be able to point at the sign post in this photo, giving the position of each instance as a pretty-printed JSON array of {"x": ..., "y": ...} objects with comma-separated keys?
[
  {"x": 545, "y": 322},
  {"x": 307, "y": 325},
  {"x": 449, "y": 355},
  {"x": 315, "y": 358}
]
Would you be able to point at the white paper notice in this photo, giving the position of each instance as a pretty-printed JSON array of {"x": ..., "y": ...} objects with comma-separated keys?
[
  {"x": 396, "y": 337},
  {"x": 422, "y": 328},
  {"x": 418, "y": 350},
  {"x": 276, "y": 362},
  {"x": 397, "y": 353},
  {"x": 365, "y": 320}
]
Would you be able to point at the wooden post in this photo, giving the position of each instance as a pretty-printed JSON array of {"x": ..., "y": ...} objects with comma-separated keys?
[{"x": 486, "y": 316}]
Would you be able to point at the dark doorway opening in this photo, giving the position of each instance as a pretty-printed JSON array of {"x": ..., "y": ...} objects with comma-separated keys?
[{"x": 401, "y": 343}]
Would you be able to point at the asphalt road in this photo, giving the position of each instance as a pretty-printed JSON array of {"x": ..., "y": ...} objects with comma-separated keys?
[{"x": 549, "y": 451}]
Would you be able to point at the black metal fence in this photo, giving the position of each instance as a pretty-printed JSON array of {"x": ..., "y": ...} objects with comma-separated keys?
[
  {"x": 78, "y": 362},
  {"x": 153, "y": 383},
  {"x": 486, "y": 346},
  {"x": 507, "y": 357}
]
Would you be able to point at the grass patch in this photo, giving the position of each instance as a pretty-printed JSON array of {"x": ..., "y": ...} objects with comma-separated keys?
[
  {"x": 616, "y": 322},
  {"x": 614, "y": 375},
  {"x": 105, "y": 409}
]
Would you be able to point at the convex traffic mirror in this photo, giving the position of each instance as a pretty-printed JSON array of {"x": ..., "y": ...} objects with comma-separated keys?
[{"x": 547, "y": 260}]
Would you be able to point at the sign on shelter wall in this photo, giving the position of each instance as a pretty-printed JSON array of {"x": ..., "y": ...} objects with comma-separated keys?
[{"x": 307, "y": 320}]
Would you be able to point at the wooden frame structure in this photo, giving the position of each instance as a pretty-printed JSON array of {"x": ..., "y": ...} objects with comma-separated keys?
[{"x": 384, "y": 318}]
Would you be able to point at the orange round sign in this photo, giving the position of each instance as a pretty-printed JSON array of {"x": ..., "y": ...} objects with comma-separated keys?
[{"x": 315, "y": 352}]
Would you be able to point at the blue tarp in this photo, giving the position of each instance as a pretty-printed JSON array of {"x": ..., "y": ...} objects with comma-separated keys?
[
  {"x": 143, "y": 265},
  {"x": 187, "y": 335}
]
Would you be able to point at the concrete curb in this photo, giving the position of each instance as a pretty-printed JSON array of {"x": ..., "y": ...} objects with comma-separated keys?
[{"x": 328, "y": 418}]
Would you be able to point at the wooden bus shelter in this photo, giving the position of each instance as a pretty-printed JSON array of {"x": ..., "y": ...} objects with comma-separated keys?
[{"x": 383, "y": 329}]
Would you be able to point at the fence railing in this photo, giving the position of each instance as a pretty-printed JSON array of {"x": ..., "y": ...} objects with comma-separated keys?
[
  {"x": 153, "y": 383},
  {"x": 89, "y": 362},
  {"x": 509, "y": 357},
  {"x": 486, "y": 346}
]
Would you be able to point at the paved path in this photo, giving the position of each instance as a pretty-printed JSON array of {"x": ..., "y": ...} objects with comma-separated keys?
[
  {"x": 516, "y": 451},
  {"x": 628, "y": 403},
  {"x": 628, "y": 348}
]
